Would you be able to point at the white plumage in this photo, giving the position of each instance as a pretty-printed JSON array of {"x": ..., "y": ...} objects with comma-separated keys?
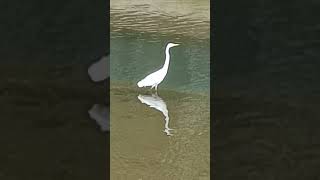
[{"x": 155, "y": 78}]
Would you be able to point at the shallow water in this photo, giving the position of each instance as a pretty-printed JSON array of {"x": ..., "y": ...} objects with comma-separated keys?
[
  {"x": 142, "y": 147},
  {"x": 165, "y": 18},
  {"x": 140, "y": 31}
]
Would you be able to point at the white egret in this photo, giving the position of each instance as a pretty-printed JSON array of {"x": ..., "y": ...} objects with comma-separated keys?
[{"x": 155, "y": 78}]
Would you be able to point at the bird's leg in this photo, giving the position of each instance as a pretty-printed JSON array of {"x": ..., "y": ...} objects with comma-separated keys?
[
  {"x": 150, "y": 90},
  {"x": 156, "y": 90}
]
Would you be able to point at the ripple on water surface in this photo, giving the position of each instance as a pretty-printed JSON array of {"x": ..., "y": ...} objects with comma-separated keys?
[{"x": 141, "y": 149}]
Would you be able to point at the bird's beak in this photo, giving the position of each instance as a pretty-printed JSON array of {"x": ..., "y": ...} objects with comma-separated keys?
[{"x": 176, "y": 44}]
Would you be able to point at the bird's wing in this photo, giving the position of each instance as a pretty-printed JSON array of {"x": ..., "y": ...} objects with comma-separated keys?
[{"x": 148, "y": 80}]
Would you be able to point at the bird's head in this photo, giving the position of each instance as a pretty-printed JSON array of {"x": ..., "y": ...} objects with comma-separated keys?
[{"x": 169, "y": 45}]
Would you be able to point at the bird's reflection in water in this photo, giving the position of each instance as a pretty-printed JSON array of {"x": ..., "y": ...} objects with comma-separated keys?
[{"x": 156, "y": 102}]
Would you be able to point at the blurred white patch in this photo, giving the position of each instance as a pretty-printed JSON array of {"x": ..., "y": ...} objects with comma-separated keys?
[
  {"x": 100, "y": 114},
  {"x": 99, "y": 71}
]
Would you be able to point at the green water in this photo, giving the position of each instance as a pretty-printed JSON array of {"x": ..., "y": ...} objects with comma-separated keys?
[
  {"x": 134, "y": 58},
  {"x": 139, "y": 33},
  {"x": 143, "y": 146}
]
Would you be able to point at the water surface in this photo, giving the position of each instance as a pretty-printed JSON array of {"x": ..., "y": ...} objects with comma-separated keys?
[
  {"x": 140, "y": 32},
  {"x": 140, "y": 145},
  {"x": 164, "y": 136}
]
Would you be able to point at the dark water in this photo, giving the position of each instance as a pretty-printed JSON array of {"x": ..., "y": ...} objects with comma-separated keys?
[
  {"x": 45, "y": 91},
  {"x": 266, "y": 99},
  {"x": 46, "y": 128}
]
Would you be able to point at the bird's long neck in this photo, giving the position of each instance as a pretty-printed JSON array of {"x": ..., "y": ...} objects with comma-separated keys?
[{"x": 166, "y": 63}]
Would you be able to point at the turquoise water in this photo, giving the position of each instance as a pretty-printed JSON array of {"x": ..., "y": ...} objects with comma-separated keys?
[
  {"x": 140, "y": 32},
  {"x": 133, "y": 57}
]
